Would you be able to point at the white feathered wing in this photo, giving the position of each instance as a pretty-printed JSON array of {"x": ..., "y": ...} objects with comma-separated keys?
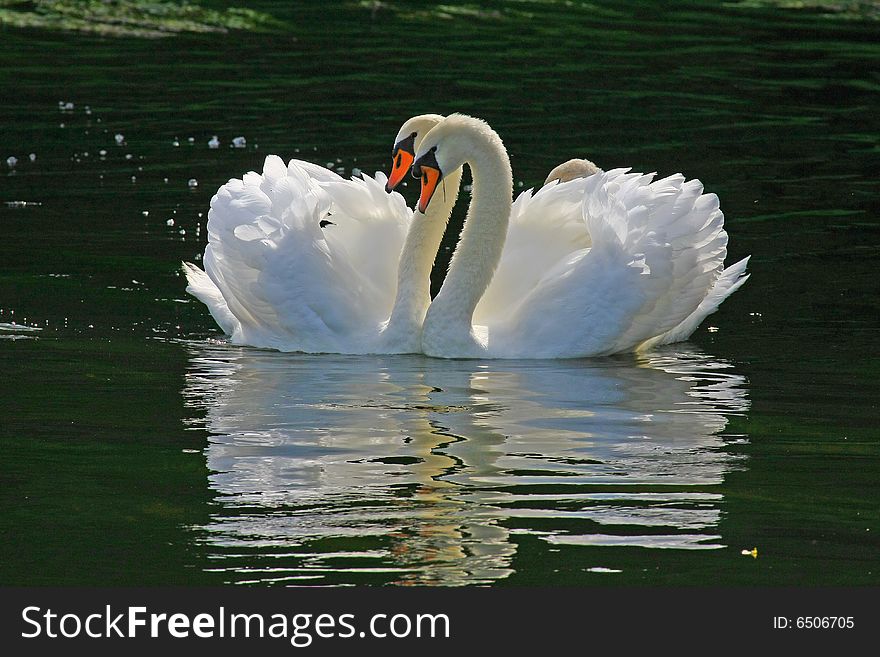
[
  {"x": 275, "y": 277},
  {"x": 609, "y": 263}
]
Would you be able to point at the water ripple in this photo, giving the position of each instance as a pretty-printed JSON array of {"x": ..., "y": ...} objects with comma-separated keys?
[{"x": 410, "y": 470}]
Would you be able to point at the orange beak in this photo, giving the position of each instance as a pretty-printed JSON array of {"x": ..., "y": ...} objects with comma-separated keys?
[
  {"x": 430, "y": 178},
  {"x": 399, "y": 166}
]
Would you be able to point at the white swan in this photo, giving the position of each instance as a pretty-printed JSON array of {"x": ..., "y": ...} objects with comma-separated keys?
[
  {"x": 608, "y": 263},
  {"x": 558, "y": 211},
  {"x": 300, "y": 259}
]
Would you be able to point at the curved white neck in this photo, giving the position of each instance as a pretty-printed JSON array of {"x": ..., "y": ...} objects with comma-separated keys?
[
  {"x": 482, "y": 238},
  {"x": 417, "y": 259}
]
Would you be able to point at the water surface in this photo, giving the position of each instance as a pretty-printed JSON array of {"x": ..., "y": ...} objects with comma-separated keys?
[{"x": 431, "y": 472}]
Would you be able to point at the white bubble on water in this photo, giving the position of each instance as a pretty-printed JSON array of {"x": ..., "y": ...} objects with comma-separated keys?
[
  {"x": 214, "y": 142},
  {"x": 120, "y": 139},
  {"x": 192, "y": 183},
  {"x": 11, "y": 161},
  {"x": 239, "y": 142},
  {"x": 170, "y": 222}
]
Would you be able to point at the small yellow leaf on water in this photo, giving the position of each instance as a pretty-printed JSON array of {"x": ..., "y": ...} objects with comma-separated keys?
[{"x": 750, "y": 553}]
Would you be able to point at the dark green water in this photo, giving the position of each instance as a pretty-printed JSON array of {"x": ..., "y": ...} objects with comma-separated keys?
[{"x": 138, "y": 449}]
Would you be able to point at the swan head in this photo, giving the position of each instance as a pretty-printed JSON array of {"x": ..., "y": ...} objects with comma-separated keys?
[
  {"x": 405, "y": 144},
  {"x": 448, "y": 145},
  {"x": 572, "y": 169}
]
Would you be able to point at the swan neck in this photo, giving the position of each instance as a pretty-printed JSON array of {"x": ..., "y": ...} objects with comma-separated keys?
[
  {"x": 482, "y": 238},
  {"x": 417, "y": 258}
]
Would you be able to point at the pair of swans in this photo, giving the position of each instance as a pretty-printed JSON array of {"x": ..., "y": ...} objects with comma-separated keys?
[{"x": 593, "y": 263}]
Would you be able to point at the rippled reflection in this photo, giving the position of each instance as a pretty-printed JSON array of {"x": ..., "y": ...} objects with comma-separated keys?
[{"x": 410, "y": 470}]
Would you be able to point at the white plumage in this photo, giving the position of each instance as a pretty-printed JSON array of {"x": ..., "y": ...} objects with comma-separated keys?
[
  {"x": 632, "y": 264},
  {"x": 300, "y": 259},
  {"x": 274, "y": 277},
  {"x": 608, "y": 263}
]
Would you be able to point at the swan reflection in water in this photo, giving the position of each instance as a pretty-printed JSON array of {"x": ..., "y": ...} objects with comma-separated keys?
[{"x": 409, "y": 470}]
